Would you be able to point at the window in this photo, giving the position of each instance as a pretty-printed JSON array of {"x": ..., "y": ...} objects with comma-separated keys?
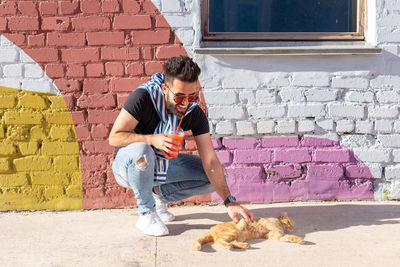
[{"x": 283, "y": 20}]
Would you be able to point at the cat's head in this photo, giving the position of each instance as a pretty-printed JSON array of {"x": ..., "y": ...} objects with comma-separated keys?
[{"x": 286, "y": 221}]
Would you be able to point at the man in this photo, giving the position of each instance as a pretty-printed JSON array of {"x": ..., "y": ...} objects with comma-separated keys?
[{"x": 141, "y": 162}]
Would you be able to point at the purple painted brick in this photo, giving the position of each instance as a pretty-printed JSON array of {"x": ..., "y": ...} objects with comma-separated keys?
[
  {"x": 245, "y": 175},
  {"x": 323, "y": 190},
  {"x": 252, "y": 156},
  {"x": 357, "y": 171},
  {"x": 216, "y": 142},
  {"x": 332, "y": 155},
  {"x": 239, "y": 143},
  {"x": 299, "y": 191},
  {"x": 293, "y": 155},
  {"x": 280, "y": 142},
  {"x": 224, "y": 156},
  {"x": 317, "y": 142},
  {"x": 281, "y": 192},
  {"x": 360, "y": 192},
  {"x": 256, "y": 193},
  {"x": 283, "y": 171},
  {"x": 324, "y": 172}
]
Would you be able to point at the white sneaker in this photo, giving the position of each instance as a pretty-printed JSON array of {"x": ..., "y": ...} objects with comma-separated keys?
[
  {"x": 151, "y": 224},
  {"x": 161, "y": 209}
]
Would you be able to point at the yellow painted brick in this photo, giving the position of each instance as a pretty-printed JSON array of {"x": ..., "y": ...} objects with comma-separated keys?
[
  {"x": 29, "y": 148},
  {"x": 66, "y": 163},
  {"x": 61, "y": 133},
  {"x": 60, "y": 148},
  {"x": 9, "y": 90},
  {"x": 57, "y": 102},
  {"x": 4, "y": 164},
  {"x": 32, "y": 101},
  {"x": 74, "y": 191},
  {"x": 7, "y": 101},
  {"x": 18, "y": 201},
  {"x": 53, "y": 192},
  {"x": 23, "y": 117},
  {"x": 1, "y": 131},
  {"x": 37, "y": 133},
  {"x": 7, "y": 149},
  {"x": 59, "y": 118},
  {"x": 76, "y": 178},
  {"x": 49, "y": 178},
  {"x": 32, "y": 163},
  {"x": 17, "y": 179},
  {"x": 18, "y": 133}
]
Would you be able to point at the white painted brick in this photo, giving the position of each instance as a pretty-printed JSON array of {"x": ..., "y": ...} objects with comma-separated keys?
[
  {"x": 170, "y": 6},
  {"x": 396, "y": 127},
  {"x": 8, "y": 55},
  {"x": 36, "y": 85},
  {"x": 24, "y": 58},
  {"x": 388, "y": 35},
  {"x": 265, "y": 96},
  {"x": 262, "y": 112},
  {"x": 384, "y": 112},
  {"x": 376, "y": 170},
  {"x": 330, "y": 136},
  {"x": 388, "y": 97},
  {"x": 383, "y": 190},
  {"x": 224, "y": 127},
  {"x": 13, "y": 70},
  {"x": 306, "y": 126},
  {"x": 372, "y": 155},
  {"x": 245, "y": 128},
  {"x": 350, "y": 82},
  {"x": 275, "y": 79},
  {"x": 226, "y": 112},
  {"x": 313, "y": 78},
  {"x": 247, "y": 97},
  {"x": 353, "y": 73},
  {"x": 344, "y": 126},
  {"x": 346, "y": 111},
  {"x": 4, "y": 42},
  {"x": 185, "y": 36},
  {"x": 157, "y": 3},
  {"x": 179, "y": 21},
  {"x": 389, "y": 140},
  {"x": 392, "y": 172},
  {"x": 32, "y": 71},
  {"x": 386, "y": 81},
  {"x": 295, "y": 95},
  {"x": 391, "y": 19},
  {"x": 395, "y": 189},
  {"x": 11, "y": 82},
  {"x": 264, "y": 127},
  {"x": 383, "y": 126},
  {"x": 286, "y": 126},
  {"x": 359, "y": 97},
  {"x": 327, "y": 125},
  {"x": 240, "y": 79},
  {"x": 305, "y": 111},
  {"x": 321, "y": 95},
  {"x": 393, "y": 49},
  {"x": 357, "y": 140},
  {"x": 226, "y": 97},
  {"x": 365, "y": 127},
  {"x": 396, "y": 155}
]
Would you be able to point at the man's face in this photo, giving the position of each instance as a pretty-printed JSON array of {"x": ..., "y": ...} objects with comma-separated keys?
[{"x": 178, "y": 95}]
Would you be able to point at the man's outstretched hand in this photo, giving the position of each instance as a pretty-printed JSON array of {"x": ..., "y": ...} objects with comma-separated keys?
[{"x": 234, "y": 210}]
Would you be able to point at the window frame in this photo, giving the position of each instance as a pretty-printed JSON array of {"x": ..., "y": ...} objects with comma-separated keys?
[{"x": 285, "y": 36}]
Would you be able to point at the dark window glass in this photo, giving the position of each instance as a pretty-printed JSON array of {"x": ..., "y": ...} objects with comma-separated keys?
[{"x": 282, "y": 16}]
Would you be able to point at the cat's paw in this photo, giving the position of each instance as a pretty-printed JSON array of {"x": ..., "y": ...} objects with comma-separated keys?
[{"x": 197, "y": 246}]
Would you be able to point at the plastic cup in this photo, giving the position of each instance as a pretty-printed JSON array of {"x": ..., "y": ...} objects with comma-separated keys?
[{"x": 179, "y": 138}]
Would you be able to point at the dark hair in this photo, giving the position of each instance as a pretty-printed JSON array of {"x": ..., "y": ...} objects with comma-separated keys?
[{"x": 182, "y": 68}]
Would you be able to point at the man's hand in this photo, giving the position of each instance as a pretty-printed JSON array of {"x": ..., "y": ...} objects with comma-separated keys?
[
  {"x": 165, "y": 144},
  {"x": 235, "y": 209}
]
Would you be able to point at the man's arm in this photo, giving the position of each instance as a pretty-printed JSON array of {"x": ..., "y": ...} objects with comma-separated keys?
[{"x": 215, "y": 173}]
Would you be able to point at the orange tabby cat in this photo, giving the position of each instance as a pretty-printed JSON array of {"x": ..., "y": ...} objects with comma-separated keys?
[{"x": 230, "y": 234}]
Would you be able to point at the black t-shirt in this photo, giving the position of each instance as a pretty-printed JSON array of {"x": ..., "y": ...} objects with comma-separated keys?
[{"x": 140, "y": 106}]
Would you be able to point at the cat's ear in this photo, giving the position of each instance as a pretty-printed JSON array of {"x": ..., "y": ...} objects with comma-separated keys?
[{"x": 284, "y": 214}]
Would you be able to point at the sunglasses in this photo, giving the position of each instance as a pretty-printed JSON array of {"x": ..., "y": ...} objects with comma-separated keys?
[{"x": 179, "y": 98}]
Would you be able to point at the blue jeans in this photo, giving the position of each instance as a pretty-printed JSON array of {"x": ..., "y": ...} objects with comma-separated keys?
[{"x": 134, "y": 167}]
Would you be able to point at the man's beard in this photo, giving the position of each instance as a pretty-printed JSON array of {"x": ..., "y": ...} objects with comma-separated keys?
[{"x": 172, "y": 108}]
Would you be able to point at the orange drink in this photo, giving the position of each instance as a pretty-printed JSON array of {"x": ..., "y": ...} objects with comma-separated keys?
[{"x": 178, "y": 138}]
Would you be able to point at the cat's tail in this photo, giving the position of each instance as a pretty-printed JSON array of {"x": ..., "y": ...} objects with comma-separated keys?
[{"x": 206, "y": 238}]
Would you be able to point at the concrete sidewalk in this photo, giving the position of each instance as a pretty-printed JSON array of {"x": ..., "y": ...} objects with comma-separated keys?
[{"x": 336, "y": 234}]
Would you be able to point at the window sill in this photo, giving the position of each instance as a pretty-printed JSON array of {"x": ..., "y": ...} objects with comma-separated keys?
[{"x": 292, "y": 49}]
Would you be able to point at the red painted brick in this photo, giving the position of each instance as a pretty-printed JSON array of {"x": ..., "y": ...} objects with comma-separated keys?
[
  {"x": 48, "y": 8},
  {"x": 55, "y": 23},
  {"x": 94, "y": 162},
  {"x": 80, "y": 55},
  {"x": 67, "y": 85},
  {"x": 154, "y": 67},
  {"x": 292, "y": 155},
  {"x": 132, "y": 22},
  {"x": 82, "y": 133},
  {"x": 55, "y": 70},
  {"x": 43, "y": 54},
  {"x": 99, "y": 132},
  {"x": 147, "y": 53},
  {"x": 130, "y": 6},
  {"x": 16, "y": 38},
  {"x": 94, "y": 192},
  {"x": 69, "y": 101},
  {"x": 332, "y": 155},
  {"x": 23, "y": 24},
  {"x": 126, "y": 84},
  {"x": 151, "y": 37},
  {"x": 8, "y": 8},
  {"x": 95, "y": 86},
  {"x": 149, "y": 7},
  {"x": 68, "y": 7},
  {"x": 105, "y": 38},
  {"x": 102, "y": 116},
  {"x": 36, "y": 40},
  {"x": 121, "y": 98},
  {"x": 91, "y": 23},
  {"x": 3, "y": 24},
  {"x": 161, "y": 22},
  {"x": 135, "y": 69},
  {"x": 124, "y": 53},
  {"x": 75, "y": 71},
  {"x": 66, "y": 39},
  {"x": 27, "y": 8},
  {"x": 96, "y": 101},
  {"x": 95, "y": 70},
  {"x": 190, "y": 143},
  {"x": 114, "y": 68},
  {"x": 90, "y": 6},
  {"x": 111, "y": 6},
  {"x": 252, "y": 156},
  {"x": 165, "y": 52},
  {"x": 78, "y": 117}
]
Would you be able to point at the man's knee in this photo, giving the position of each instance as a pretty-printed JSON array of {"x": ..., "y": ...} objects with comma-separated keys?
[{"x": 141, "y": 154}]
